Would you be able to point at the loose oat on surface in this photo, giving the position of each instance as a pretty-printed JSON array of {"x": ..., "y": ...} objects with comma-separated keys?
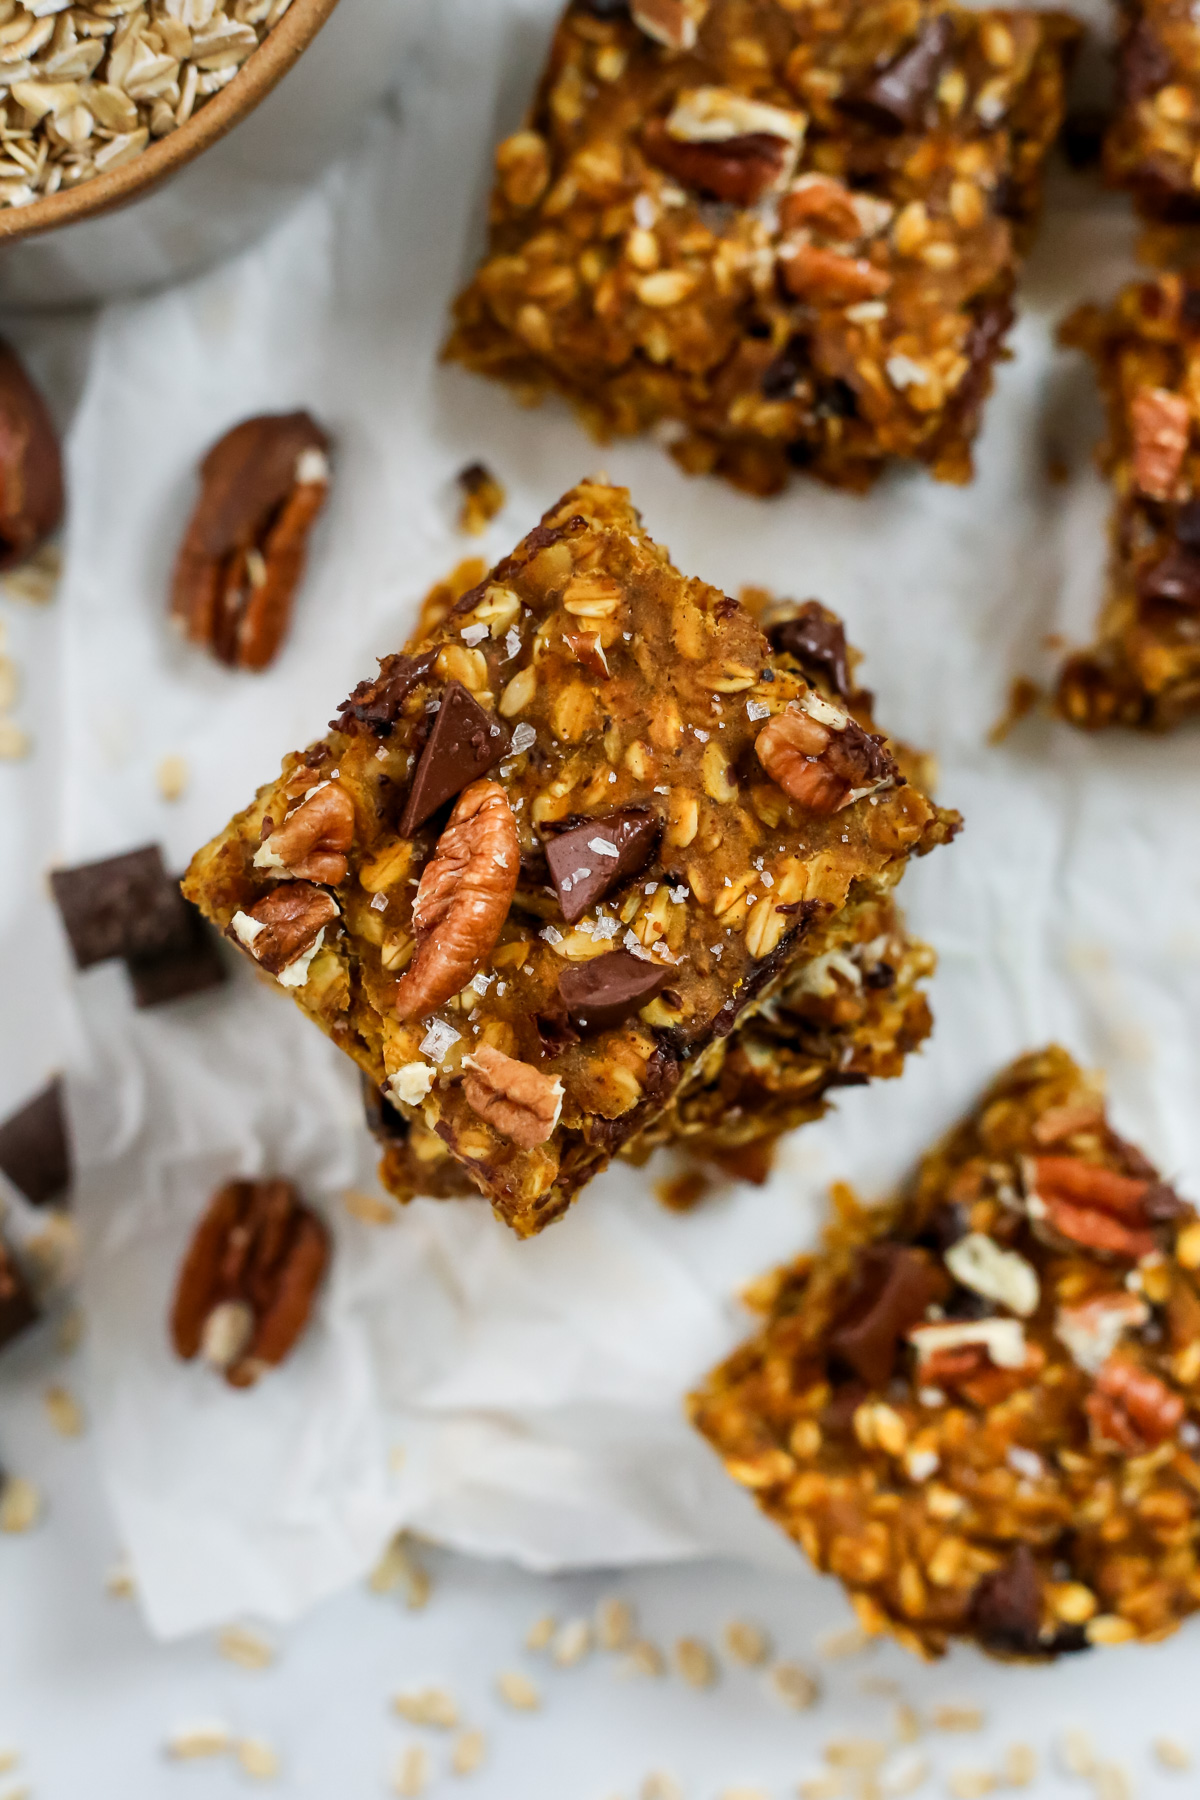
[
  {"x": 1026, "y": 1477},
  {"x": 1144, "y": 670},
  {"x": 84, "y": 89},
  {"x": 789, "y": 243},
  {"x": 537, "y": 975}
]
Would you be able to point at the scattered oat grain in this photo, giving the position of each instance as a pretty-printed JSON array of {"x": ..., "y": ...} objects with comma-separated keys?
[
  {"x": 411, "y": 1771},
  {"x": 20, "y": 1504},
  {"x": 64, "y": 1412},
  {"x": 904, "y": 1774},
  {"x": 398, "y": 1568},
  {"x": 795, "y": 1686},
  {"x": 746, "y": 1643},
  {"x": 9, "y": 1758},
  {"x": 695, "y": 1662},
  {"x": 70, "y": 1331},
  {"x": 1077, "y": 1753},
  {"x": 616, "y": 1623},
  {"x": 36, "y": 581},
  {"x": 191, "y": 1742},
  {"x": 172, "y": 777},
  {"x": 238, "y": 1644},
  {"x": 9, "y": 684},
  {"x": 572, "y": 1642},
  {"x": 370, "y": 1209},
  {"x": 957, "y": 1718},
  {"x": 855, "y": 1753},
  {"x": 257, "y": 1758},
  {"x": 908, "y": 1723},
  {"x": 822, "y": 1787},
  {"x": 835, "y": 1646},
  {"x": 429, "y": 1706},
  {"x": 14, "y": 743},
  {"x": 483, "y": 497},
  {"x": 1020, "y": 1765},
  {"x": 1110, "y": 1782},
  {"x": 119, "y": 1581},
  {"x": 971, "y": 1784},
  {"x": 516, "y": 1690},
  {"x": 658, "y": 1785},
  {"x": 1172, "y": 1754},
  {"x": 468, "y": 1751},
  {"x": 541, "y": 1632},
  {"x": 743, "y": 1793}
]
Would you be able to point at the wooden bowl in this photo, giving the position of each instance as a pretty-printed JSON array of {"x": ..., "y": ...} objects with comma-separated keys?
[{"x": 262, "y": 70}]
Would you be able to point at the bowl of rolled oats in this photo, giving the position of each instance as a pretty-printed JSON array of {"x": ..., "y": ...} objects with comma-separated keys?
[{"x": 120, "y": 164}]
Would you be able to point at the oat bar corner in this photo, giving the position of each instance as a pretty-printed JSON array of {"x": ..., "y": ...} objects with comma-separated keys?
[{"x": 547, "y": 860}]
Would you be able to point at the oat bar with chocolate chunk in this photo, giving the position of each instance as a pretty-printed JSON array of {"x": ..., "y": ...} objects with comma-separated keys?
[
  {"x": 550, "y": 856},
  {"x": 785, "y": 237},
  {"x": 1144, "y": 669},
  {"x": 977, "y": 1405},
  {"x": 1152, "y": 146}
]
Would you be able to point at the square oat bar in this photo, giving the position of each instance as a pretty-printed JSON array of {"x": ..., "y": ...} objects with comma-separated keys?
[
  {"x": 1144, "y": 670},
  {"x": 977, "y": 1405},
  {"x": 785, "y": 236},
  {"x": 1152, "y": 146},
  {"x": 549, "y": 858}
]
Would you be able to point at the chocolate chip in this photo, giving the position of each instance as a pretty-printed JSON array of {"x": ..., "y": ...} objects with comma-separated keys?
[
  {"x": 35, "y": 1150},
  {"x": 17, "y": 1308},
  {"x": 1006, "y": 1606},
  {"x": 893, "y": 1286},
  {"x": 384, "y": 1121},
  {"x": 125, "y": 906},
  {"x": 897, "y": 97},
  {"x": 1082, "y": 135},
  {"x": 817, "y": 640},
  {"x": 610, "y": 989},
  {"x": 880, "y": 975},
  {"x": 180, "y": 972},
  {"x": 1187, "y": 525},
  {"x": 555, "y": 1032},
  {"x": 945, "y": 1225},
  {"x": 465, "y": 741},
  {"x": 1173, "y": 581},
  {"x": 588, "y": 861},
  {"x": 376, "y": 704}
]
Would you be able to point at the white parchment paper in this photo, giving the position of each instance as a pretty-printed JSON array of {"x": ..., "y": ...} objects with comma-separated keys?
[{"x": 508, "y": 1398}]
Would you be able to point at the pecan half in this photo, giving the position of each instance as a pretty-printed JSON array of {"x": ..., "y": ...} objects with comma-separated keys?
[
  {"x": 249, "y": 1279},
  {"x": 1132, "y": 1408},
  {"x": 31, "y": 486},
  {"x": 722, "y": 143},
  {"x": 673, "y": 23},
  {"x": 821, "y": 757},
  {"x": 242, "y": 556},
  {"x": 286, "y": 926},
  {"x": 969, "y": 1369},
  {"x": 313, "y": 840},
  {"x": 827, "y": 278},
  {"x": 463, "y": 898},
  {"x": 516, "y": 1098},
  {"x": 1090, "y": 1205},
  {"x": 1161, "y": 425}
]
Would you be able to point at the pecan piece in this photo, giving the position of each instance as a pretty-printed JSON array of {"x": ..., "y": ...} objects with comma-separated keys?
[
  {"x": 516, "y": 1098},
  {"x": 249, "y": 1279},
  {"x": 463, "y": 898},
  {"x": 242, "y": 556},
  {"x": 1091, "y": 1205},
  {"x": 1161, "y": 425},
  {"x": 313, "y": 840},
  {"x": 31, "y": 486},
  {"x": 827, "y": 278},
  {"x": 724, "y": 144},
  {"x": 821, "y": 757},
  {"x": 672, "y": 23},
  {"x": 1132, "y": 1408},
  {"x": 284, "y": 930}
]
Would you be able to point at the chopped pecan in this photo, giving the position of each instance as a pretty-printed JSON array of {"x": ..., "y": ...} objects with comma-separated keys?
[
  {"x": 31, "y": 486},
  {"x": 463, "y": 898},
  {"x": 313, "y": 840},
  {"x": 971, "y": 1369},
  {"x": 827, "y": 278},
  {"x": 1091, "y": 1205},
  {"x": 262, "y": 486},
  {"x": 725, "y": 144},
  {"x": 1132, "y": 1408},
  {"x": 821, "y": 757},
  {"x": 516, "y": 1098},
  {"x": 673, "y": 23},
  {"x": 286, "y": 926},
  {"x": 822, "y": 204},
  {"x": 249, "y": 1279},
  {"x": 1161, "y": 425}
]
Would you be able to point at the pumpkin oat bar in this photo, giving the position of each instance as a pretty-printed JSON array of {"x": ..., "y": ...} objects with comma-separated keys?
[
  {"x": 785, "y": 235},
  {"x": 1152, "y": 146},
  {"x": 977, "y": 1405},
  {"x": 1144, "y": 670},
  {"x": 546, "y": 861}
]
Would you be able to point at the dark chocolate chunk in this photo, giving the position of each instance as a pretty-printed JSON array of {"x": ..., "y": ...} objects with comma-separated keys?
[
  {"x": 610, "y": 989},
  {"x": 1187, "y": 525},
  {"x": 835, "y": 399},
  {"x": 817, "y": 640},
  {"x": 465, "y": 741},
  {"x": 17, "y": 1308},
  {"x": 35, "y": 1150},
  {"x": 1173, "y": 581},
  {"x": 178, "y": 973},
  {"x": 879, "y": 975},
  {"x": 1006, "y": 1607},
  {"x": 588, "y": 861},
  {"x": 384, "y": 1121},
  {"x": 555, "y": 1032},
  {"x": 894, "y": 1284},
  {"x": 779, "y": 378},
  {"x": 945, "y": 1225},
  {"x": 897, "y": 96},
  {"x": 1082, "y": 136},
  {"x": 125, "y": 906},
  {"x": 376, "y": 704}
]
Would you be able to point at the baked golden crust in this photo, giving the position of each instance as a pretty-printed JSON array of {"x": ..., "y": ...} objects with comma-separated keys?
[
  {"x": 1144, "y": 670},
  {"x": 596, "y": 693},
  {"x": 1152, "y": 146},
  {"x": 791, "y": 246},
  {"x": 976, "y": 1406}
]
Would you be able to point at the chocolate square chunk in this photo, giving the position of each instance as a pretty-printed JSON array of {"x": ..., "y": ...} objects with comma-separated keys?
[
  {"x": 123, "y": 906},
  {"x": 17, "y": 1308},
  {"x": 35, "y": 1150},
  {"x": 179, "y": 973}
]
